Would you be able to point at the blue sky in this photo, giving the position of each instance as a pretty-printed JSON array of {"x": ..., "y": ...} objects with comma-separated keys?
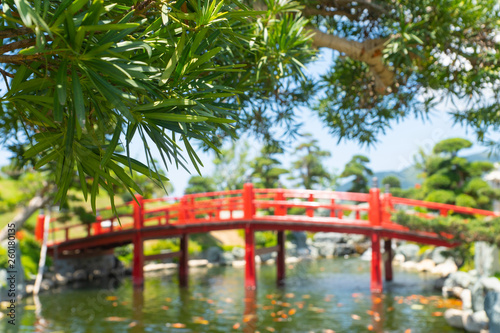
[{"x": 394, "y": 151}]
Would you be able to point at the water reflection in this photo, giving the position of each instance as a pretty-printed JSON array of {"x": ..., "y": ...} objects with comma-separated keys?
[{"x": 319, "y": 296}]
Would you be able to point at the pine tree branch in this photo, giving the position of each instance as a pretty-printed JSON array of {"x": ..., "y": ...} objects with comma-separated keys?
[{"x": 369, "y": 52}]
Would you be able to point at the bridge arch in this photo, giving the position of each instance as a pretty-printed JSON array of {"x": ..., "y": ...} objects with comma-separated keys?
[{"x": 250, "y": 209}]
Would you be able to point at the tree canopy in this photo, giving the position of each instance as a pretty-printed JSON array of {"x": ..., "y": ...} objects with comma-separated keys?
[
  {"x": 358, "y": 168},
  {"x": 308, "y": 170},
  {"x": 452, "y": 179},
  {"x": 85, "y": 77}
]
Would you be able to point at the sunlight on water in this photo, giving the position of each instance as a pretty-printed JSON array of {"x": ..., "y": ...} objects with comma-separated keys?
[{"x": 328, "y": 295}]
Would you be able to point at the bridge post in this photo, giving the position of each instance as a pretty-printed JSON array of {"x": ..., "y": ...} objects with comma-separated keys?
[
  {"x": 310, "y": 211},
  {"x": 280, "y": 259},
  {"x": 183, "y": 261},
  {"x": 250, "y": 277},
  {"x": 388, "y": 259},
  {"x": 376, "y": 285},
  {"x": 248, "y": 211},
  {"x": 138, "y": 261},
  {"x": 386, "y": 218},
  {"x": 97, "y": 225},
  {"x": 39, "y": 226}
]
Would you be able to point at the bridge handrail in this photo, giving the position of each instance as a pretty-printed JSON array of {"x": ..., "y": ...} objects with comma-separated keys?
[
  {"x": 318, "y": 194},
  {"x": 207, "y": 207},
  {"x": 442, "y": 206}
]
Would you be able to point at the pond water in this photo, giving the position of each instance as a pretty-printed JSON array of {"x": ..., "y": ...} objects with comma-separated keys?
[{"x": 326, "y": 295}]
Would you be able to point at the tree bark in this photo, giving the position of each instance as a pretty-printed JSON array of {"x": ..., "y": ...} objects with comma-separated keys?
[
  {"x": 369, "y": 52},
  {"x": 39, "y": 201}
]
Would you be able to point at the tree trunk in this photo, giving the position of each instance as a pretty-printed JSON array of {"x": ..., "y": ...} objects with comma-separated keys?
[{"x": 39, "y": 201}]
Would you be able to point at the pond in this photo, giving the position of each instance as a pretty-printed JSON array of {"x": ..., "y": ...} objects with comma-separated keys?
[{"x": 325, "y": 295}]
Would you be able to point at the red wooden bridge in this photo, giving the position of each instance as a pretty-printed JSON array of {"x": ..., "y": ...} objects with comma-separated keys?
[{"x": 253, "y": 210}]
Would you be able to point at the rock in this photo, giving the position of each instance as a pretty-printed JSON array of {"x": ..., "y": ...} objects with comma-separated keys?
[
  {"x": 46, "y": 284},
  {"x": 460, "y": 279},
  {"x": 342, "y": 249},
  {"x": 325, "y": 249},
  {"x": 226, "y": 258},
  {"x": 213, "y": 254},
  {"x": 426, "y": 255},
  {"x": 439, "y": 283},
  {"x": 354, "y": 239},
  {"x": 265, "y": 257},
  {"x": 445, "y": 268},
  {"x": 329, "y": 237},
  {"x": 60, "y": 279},
  {"x": 313, "y": 252},
  {"x": 398, "y": 259},
  {"x": 291, "y": 249},
  {"x": 475, "y": 322},
  {"x": 425, "y": 265},
  {"x": 439, "y": 255},
  {"x": 486, "y": 259},
  {"x": 258, "y": 260},
  {"x": 480, "y": 289},
  {"x": 454, "y": 318},
  {"x": 409, "y": 265},
  {"x": 367, "y": 255},
  {"x": 299, "y": 238},
  {"x": 197, "y": 262},
  {"x": 291, "y": 260},
  {"x": 238, "y": 263},
  {"x": 410, "y": 251},
  {"x": 492, "y": 309},
  {"x": 238, "y": 252},
  {"x": 29, "y": 289},
  {"x": 79, "y": 275},
  {"x": 466, "y": 297},
  {"x": 159, "y": 267}
]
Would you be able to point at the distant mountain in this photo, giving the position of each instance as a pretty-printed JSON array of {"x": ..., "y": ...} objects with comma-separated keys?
[{"x": 409, "y": 176}]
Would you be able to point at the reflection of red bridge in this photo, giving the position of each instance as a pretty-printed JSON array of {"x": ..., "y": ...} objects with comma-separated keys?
[{"x": 252, "y": 210}]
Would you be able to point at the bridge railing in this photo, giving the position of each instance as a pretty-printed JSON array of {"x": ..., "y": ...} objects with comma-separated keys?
[
  {"x": 252, "y": 204},
  {"x": 426, "y": 209},
  {"x": 320, "y": 206}
]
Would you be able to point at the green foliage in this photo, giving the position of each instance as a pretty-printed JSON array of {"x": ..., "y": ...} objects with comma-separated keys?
[
  {"x": 451, "y": 146},
  {"x": 465, "y": 200},
  {"x": 442, "y": 196},
  {"x": 83, "y": 215},
  {"x": 231, "y": 166},
  {"x": 265, "y": 238},
  {"x": 308, "y": 169},
  {"x": 463, "y": 230},
  {"x": 357, "y": 168},
  {"x": 125, "y": 253},
  {"x": 392, "y": 181},
  {"x": 88, "y": 77},
  {"x": 451, "y": 179},
  {"x": 30, "y": 255},
  {"x": 266, "y": 169},
  {"x": 199, "y": 184},
  {"x": 4, "y": 262}
]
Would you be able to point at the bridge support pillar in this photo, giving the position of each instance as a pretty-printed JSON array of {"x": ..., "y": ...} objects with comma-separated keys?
[
  {"x": 183, "y": 261},
  {"x": 138, "y": 262},
  {"x": 250, "y": 278},
  {"x": 376, "y": 285},
  {"x": 388, "y": 259},
  {"x": 280, "y": 259}
]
